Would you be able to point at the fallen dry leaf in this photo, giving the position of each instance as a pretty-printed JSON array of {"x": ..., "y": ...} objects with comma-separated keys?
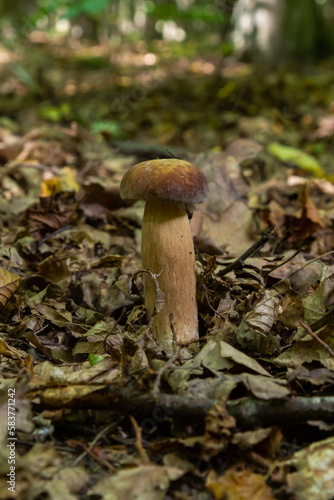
[
  {"x": 146, "y": 482},
  {"x": 237, "y": 484},
  {"x": 9, "y": 284},
  {"x": 314, "y": 475}
]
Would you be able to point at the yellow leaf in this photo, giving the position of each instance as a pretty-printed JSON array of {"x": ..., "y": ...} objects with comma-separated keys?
[
  {"x": 238, "y": 485},
  {"x": 67, "y": 180},
  {"x": 9, "y": 283},
  {"x": 49, "y": 187}
]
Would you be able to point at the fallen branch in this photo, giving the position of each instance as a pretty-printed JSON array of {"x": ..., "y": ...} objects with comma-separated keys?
[
  {"x": 239, "y": 263},
  {"x": 249, "y": 412}
]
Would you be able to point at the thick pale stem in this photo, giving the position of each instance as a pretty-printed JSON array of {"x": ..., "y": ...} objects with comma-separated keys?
[{"x": 168, "y": 252}]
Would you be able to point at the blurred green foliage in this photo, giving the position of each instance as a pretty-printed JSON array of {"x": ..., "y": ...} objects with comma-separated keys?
[
  {"x": 86, "y": 7},
  {"x": 23, "y": 15},
  {"x": 304, "y": 31},
  {"x": 203, "y": 11}
]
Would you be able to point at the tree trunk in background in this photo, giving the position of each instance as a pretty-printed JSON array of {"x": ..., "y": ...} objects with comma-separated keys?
[
  {"x": 276, "y": 31},
  {"x": 257, "y": 23}
]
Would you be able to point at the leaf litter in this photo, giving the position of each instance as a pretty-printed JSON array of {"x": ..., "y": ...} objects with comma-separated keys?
[{"x": 101, "y": 411}]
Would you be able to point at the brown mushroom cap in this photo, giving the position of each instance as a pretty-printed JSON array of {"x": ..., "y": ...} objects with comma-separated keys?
[{"x": 165, "y": 180}]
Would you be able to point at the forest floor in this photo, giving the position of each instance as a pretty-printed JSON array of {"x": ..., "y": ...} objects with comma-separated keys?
[{"x": 98, "y": 409}]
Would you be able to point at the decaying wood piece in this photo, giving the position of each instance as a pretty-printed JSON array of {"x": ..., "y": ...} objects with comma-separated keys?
[{"x": 249, "y": 412}]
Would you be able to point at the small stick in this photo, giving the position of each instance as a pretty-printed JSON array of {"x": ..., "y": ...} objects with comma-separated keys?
[
  {"x": 174, "y": 156},
  {"x": 186, "y": 344},
  {"x": 161, "y": 371},
  {"x": 305, "y": 265},
  {"x": 139, "y": 445},
  {"x": 54, "y": 233},
  {"x": 315, "y": 336},
  {"x": 287, "y": 260},
  {"x": 197, "y": 252},
  {"x": 88, "y": 450},
  {"x": 254, "y": 248},
  {"x": 207, "y": 299}
]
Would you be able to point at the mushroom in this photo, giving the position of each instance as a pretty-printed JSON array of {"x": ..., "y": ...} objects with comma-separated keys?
[{"x": 167, "y": 246}]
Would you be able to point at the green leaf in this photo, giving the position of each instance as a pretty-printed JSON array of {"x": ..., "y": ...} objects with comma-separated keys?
[
  {"x": 108, "y": 126},
  {"x": 94, "y": 359},
  {"x": 302, "y": 160},
  {"x": 171, "y": 11},
  {"x": 89, "y": 7}
]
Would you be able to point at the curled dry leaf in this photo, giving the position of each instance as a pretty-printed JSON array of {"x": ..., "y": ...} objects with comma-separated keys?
[
  {"x": 219, "y": 425},
  {"x": 9, "y": 284},
  {"x": 254, "y": 331}
]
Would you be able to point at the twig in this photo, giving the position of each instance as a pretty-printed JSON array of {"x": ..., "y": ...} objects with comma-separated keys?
[
  {"x": 209, "y": 304},
  {"x": 12, "y": 166},
  {"x": 254, "y": 248},
  {"x": 315, "y": 336},
  {"x": 201, "y": 339},
  {"x": 161, "y": 371},
  {"x": 33, "y": 165},
  {"x": 87, "y": 168},
  {"x": 159, "y": 295},
  {"x": 173, "y": 155},
  {"x": 116, "y": 324},
  {"x": 328, "y": 319},
  {"x": 197, "y": 252},
  {"x": 286, "y": 261},
  {"x": 88, "y": 450},
  {"x": 305, "y": 265},
  {"x": 139, "y": 445},
  {"x": 54, "y": 233}
]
